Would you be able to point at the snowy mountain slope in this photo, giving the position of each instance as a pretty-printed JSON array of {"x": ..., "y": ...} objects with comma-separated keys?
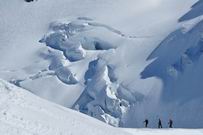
[
  {"x": 178, "y": 62},
  {"x": 91, "y": 56},
  {"x": 22, "y": 113}
]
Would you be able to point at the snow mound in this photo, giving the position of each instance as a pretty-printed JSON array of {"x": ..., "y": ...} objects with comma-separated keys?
[{"x": 22, "y": 113}]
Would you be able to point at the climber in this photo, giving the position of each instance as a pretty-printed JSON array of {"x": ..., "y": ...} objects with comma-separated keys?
[
  {"x": 170, "y": 123},
  {"x": 159, "y": 124},
  {"x": 146, "y": 122},
  {"x": 29, "y": 0}
]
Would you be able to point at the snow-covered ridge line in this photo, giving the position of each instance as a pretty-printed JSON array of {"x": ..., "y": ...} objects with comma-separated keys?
[{"x": 22, "y": 113}]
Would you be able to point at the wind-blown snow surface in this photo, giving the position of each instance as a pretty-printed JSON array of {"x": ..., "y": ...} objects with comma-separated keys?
[
  {"x": 22, "y": 113},
  {"x": 91, "y": 56}
]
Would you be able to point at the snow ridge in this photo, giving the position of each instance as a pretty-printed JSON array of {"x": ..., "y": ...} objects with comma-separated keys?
[{"x": 22, "y": 113}]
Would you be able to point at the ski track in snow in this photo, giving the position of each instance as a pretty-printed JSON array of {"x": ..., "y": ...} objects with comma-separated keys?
[
  {"x": 38, "y": 75},
  {"x": 118, "y": 32}
]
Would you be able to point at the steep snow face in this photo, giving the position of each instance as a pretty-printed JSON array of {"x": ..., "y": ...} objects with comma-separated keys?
[
  {"x": 22, "y": 113},
  {"x": 178, "y": 62},
  {"x": 196, "y": 11}
]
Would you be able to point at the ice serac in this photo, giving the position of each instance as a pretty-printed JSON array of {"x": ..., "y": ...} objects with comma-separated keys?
[
  {"x": 74, "y": 38},
  {"x": 100, "y": 98},
  {"x": 83, "y": 39},
  {"x": 59, "y": 38}
]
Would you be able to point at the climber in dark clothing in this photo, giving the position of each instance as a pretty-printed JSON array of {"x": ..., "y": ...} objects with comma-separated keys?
[
  {"x": 29, "y": 0},
  {"x": 159, "y": 124},
  {"x": 146, "y": 122},
  {"x": 170, "y": 123}
]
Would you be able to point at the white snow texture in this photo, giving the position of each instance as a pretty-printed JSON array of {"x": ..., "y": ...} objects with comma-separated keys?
[{"x": 119, "y": 61}]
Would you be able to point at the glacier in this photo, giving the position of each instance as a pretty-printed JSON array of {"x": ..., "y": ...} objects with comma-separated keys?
[{"x": 117, "y": 61}]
